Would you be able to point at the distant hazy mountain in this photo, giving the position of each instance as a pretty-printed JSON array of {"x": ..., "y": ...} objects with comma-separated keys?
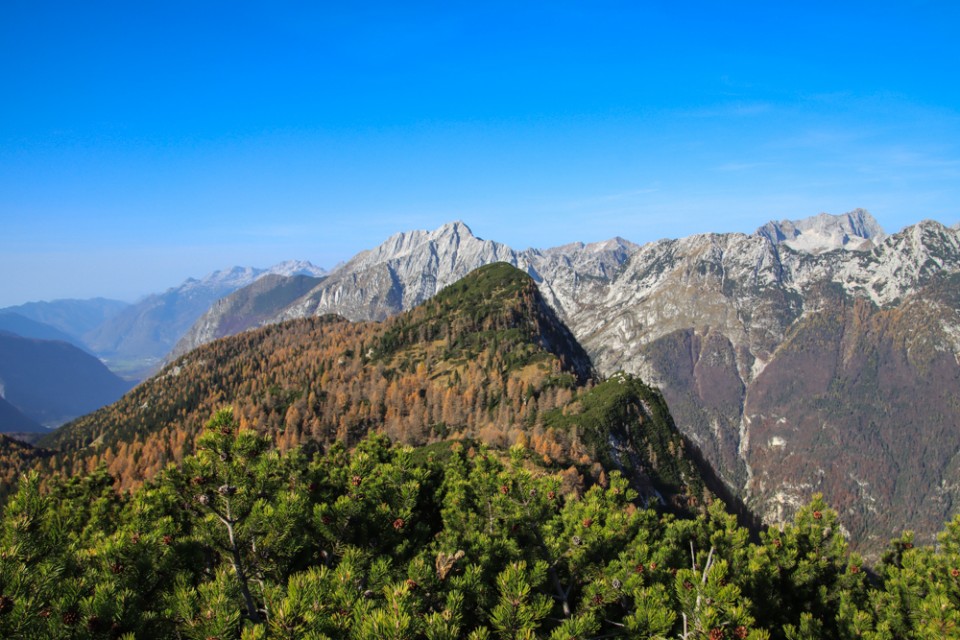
[
  {"x": 27, "y": 328},
  {"x": 73, "y": 317},
  {"x": 244, "y": 309},
  {"x": 51, "y": 382},
  {"x": 13, "y": 421},
  {"x": 136, "y": 339}
]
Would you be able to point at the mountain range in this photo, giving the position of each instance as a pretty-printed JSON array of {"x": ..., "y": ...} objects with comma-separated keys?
[
  {"x": 820, "y": 355},
  {"x": 132, "y": 339}
]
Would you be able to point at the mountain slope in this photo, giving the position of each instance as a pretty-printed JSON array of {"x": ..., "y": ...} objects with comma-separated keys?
[
  {"x": 742, "y": 334},
  {"x": 249, "y": 307},
  {"x": 437, "y": 370},
  {"x": 703, "y": 317},
  {"x": 51, "y": 382},
  {"x": 861, "y": 403},
  {"x": 486, "y": 358}
]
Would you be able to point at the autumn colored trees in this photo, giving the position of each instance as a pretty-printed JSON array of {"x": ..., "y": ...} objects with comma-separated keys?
[{"x": 482, "y": 359}]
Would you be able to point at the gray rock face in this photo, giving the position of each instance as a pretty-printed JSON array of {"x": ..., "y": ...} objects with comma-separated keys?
[
  {"x": 399, "y": 274},
  {"x": 796, "y": 372},
  {"x": 248, "y": 308}
]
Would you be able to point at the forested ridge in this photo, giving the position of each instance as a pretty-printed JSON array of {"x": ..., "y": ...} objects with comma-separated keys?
[
  {"x": 454, "y": 472},
  {"x": 484, "y": 359}
]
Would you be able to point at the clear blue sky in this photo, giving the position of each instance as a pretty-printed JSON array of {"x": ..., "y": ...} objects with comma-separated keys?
[{"x": 145, "y": 142}]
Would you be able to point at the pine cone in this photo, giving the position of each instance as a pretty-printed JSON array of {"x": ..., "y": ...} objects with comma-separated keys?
[
  {"x": 6, "y": 604},
  {"x": 70, "y": 617}
]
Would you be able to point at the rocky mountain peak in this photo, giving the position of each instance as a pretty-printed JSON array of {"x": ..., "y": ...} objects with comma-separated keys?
[
  {"x": 855, "y": 230},
  {"x": 297, "y": 268},
  {"x": 449, "y": 236}
]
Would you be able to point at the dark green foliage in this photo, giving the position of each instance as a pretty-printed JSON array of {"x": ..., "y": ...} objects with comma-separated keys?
[
  {"x": 497, "y": 307},
  {"x": 634, "y": 418},
  {"x": 451, "y": 541}
]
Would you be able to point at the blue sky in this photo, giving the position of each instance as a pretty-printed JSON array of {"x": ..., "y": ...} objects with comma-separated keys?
[{"x": 143, "y": 143}]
